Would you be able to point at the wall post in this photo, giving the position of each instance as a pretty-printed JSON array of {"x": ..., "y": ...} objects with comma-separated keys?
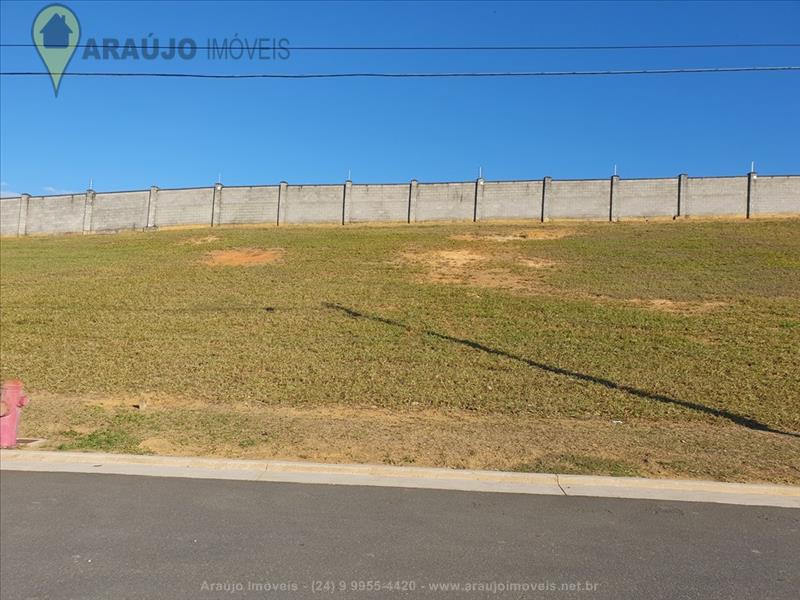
[
  {"x": 88, "y": 210},
  {"x": 22, "y": 219},
  {"x": 477, "y": 208},
  {"x": 751, "y": 191},
  {"x": 216, "y": 205},
  {"x": 281, "y": 217},
  {"x": 347, "y": 194},
  {"x": 152, "y": 207},
  {"x": 614, "y": 191},
  {"x": 412, "y": 200},
  {"x": 683, "y": 181},
  {"x": 547, "y": 184}
]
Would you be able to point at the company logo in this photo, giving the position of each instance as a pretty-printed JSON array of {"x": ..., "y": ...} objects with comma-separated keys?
[{"x": 56, "y": 33}]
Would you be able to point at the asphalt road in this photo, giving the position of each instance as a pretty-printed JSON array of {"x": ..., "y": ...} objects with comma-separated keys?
[{"x": 68, "y": 535}]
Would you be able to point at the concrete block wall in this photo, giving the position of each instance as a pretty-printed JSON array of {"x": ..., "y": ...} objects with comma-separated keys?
[
  {"x": 587, "y": 199},
  {"x": 379, "y": 202},
  {"x": 775, "y": 195},
  {"x": 312, "y": 204},
  {"x": 510, "y": 200},
  {"x": 188, "y": 206},
  {"x": 445, "y": 201},
  {"x": 9, "y": 216},
  {"x": 595, "y": 199},
  {"x": 715, "y": 196},
  {"x": 55, "y": 214},
  {"x": 248, "y": 205},
  {"x": 116, "y": 211},
  {"x": 637, "y": 198}
]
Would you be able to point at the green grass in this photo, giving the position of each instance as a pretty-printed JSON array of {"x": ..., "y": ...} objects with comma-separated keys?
[{"x": 344, "y": 320}]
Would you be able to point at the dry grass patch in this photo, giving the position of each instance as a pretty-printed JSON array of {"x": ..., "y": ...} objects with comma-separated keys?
[
  {"x": 505, "y": 279},
  {"x": 676, "y": 306},
  {"x": 531, "y": 234},
  {"x": 198, "y": 241},
  {"x": 159, "y": 445},
  {"x": 243, "y": 257},
  {"x": 446, "y": 265},
  {"x": 140, "y": 401},
  {"x": 425, "y": 437},
  {"x": 538, "y": 263},
  {"x": 470, "y": 267}
]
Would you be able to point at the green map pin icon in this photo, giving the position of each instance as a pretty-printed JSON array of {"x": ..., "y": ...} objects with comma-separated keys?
[{"x": 56, "y": 33}]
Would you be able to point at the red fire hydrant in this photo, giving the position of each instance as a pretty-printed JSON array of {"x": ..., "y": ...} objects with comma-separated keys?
[{"x": 12, "y": 400}]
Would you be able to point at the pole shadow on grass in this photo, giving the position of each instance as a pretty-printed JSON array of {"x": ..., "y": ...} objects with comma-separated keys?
[{"x": 607, "y": 383}]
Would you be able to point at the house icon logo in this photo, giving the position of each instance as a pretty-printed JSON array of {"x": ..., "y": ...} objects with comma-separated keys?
[{"x": 56, "y": 34}]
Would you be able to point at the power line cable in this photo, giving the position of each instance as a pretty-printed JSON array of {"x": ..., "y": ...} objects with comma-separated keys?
[
  {"x": 378, "y": 75},
  {"x": 471, "y": 48}
]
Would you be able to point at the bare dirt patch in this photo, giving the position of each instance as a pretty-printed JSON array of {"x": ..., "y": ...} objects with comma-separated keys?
[
  {"x": 470, "y": 267},
  {"x": 532, "y": 234},
  {"x": 446, "y": 265},
  {"x": 453, "y": 258},
  {"x": 243, "y": 257},
  {"x": 198, "y": 241}
]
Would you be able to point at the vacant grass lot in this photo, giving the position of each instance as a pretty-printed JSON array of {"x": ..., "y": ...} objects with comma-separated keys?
[{"x": 666, "y": 349}]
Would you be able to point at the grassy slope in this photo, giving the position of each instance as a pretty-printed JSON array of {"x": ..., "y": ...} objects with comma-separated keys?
[{"x": 133, "y": 316}]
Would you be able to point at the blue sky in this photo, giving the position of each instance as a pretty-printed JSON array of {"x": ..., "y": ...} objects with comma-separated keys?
[{"x": 130, "y": 133}]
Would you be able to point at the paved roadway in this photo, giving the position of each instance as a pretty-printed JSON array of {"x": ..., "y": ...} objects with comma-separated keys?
[{"x": 69, "y": 535}]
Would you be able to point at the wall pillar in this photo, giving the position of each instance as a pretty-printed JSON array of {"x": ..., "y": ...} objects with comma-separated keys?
[
  {"x": 88, "y": 209},
  {"x": 282, "y": 189},
  {"x": 547, "y": 184},
  {"x": 613, "y": 210},
  {"x": 683, "y": 188},
  {"x": 152, "y": 207},
  {"x": 412, "y": 200},
  {"x": 752, "y": 177},
  {"x": 347, "y": 195},
  {"x": 216, "y": 205},
  {"x": 477, "y": 209},
  {"x": 22, "y": 219}
]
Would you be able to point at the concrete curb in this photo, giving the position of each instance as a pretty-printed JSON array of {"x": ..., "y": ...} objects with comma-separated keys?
[{"x": 408, "y": 477}]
